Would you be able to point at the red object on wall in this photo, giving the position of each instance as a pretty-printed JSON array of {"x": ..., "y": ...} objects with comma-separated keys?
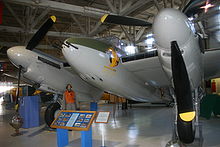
[
  {"x": 213, "y": 86},
  {"x": 5, "y": 66},
  {"x": 1, "y": 11}
]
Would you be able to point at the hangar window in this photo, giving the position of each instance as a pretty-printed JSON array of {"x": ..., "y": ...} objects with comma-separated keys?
[
  {"x": 6, "y": 86},
  {"x": 130, "y": 49},
  {"x": 149, "y": 42}
]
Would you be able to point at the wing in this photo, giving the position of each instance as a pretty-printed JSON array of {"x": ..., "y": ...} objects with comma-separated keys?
[
  {"x": 56, "y": 61},
  {"x": 147, "y": 68},
  {"x": 211, "y": 64},
  {"x": 14, "y": 75},
  {"x": 150, "y": 70}
]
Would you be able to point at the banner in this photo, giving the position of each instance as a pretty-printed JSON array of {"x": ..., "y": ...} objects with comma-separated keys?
[{"x": 1, "y": 11}]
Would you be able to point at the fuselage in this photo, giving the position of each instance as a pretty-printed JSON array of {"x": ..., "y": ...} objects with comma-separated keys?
[
  {"x": 94, "y": 65},
  {"x": 89, "y": 58}
]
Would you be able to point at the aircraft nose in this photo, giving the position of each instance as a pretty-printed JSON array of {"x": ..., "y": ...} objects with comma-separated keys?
[
  {"x": 69, "y": 50},
  {"x": 171, "y": 25},
  {"x": 13, "y": 54},
  {"x": 65, "y": 49},
  {"x": 17, "y": 56}
]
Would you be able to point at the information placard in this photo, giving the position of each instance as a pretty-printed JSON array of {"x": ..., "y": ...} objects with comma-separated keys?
[
  {"x": 74, "y": 120},
  {"x": 102, "y": 117}
]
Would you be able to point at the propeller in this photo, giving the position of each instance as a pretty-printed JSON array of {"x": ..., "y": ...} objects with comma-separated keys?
[
  {"x": 181, "y": 84},
  {"x": 18, "y": 91},
  {"x": 185, "y": 110},
  {"x": 38, "y": 36},
  {"x": 17, "y": 121},
  {"x": 123, "y": 20}
]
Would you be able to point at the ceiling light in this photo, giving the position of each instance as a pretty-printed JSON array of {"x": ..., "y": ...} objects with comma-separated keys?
[
  {"x": 130, "y": 49},
  {"x": 207, "y": 6}
]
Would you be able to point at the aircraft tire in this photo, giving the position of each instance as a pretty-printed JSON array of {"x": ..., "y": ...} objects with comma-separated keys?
[
  {"x": 186, "y": 131},
  {"x": 50, "y": 111}
]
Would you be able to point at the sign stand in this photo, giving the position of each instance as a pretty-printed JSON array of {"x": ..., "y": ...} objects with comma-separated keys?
[
  {"x": 103, "y": 118},
  {"x": 62, "y": 132},
  {"x": 62, "y": 137},
  {"x": 103, "y": 136},
  {"x": 86, "y": 138}
]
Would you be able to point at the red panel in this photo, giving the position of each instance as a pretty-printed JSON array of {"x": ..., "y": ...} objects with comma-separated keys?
[
  {"x": 213, "y": 86},
  {"x": 1, "y": 11}
]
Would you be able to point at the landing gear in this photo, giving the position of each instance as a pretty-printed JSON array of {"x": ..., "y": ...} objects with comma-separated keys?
[{"x": 51, "y": 111}]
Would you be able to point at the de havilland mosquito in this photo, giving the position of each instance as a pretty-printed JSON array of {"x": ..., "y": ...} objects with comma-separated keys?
[{"x": 179, "y": 64}]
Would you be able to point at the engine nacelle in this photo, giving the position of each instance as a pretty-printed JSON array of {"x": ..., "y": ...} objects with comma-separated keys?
[
  {"x": 169, "y": 25},
  {"x": 172, "y": 25}
]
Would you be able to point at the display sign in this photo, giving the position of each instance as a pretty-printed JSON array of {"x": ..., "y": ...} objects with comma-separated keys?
[
  {"x": 74, "y": 120},
  {"x": 103, "y": 117}
]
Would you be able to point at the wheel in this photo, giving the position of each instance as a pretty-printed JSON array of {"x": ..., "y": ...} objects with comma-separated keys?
[
  {"x": 186, "y": 131},
  {"x": 50, "y": 113}
]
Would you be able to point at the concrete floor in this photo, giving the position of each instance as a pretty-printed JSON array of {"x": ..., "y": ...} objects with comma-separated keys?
[{"x": 141, "y": 126}]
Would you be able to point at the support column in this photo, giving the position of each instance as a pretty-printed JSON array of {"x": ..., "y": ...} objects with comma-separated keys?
[
  {"x": 93, "y": 106},
  {"x": 62, "y": 137}
]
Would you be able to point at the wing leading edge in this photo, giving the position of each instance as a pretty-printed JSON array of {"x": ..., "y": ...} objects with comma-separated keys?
[{"x": 149, "y": 70}]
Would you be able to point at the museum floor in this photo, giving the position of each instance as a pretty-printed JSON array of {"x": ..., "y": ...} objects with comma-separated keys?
[{"x": 141, "y": 126}]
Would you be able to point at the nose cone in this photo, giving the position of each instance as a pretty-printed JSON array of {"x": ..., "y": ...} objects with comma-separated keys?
[
  {"x": 171, "y": 25},
  {"x": 18, "y": 56},
  {"x": 69, "y": 50},
  {"x": 66, "y": 51}
]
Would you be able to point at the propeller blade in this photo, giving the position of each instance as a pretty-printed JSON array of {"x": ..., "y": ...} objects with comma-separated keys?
[
  {"x": 18, "y": 91},
  {"x": 181, "y": 84},
  {"x": 38, "y": 36},
  {"x": 123, "y": 20},
  {"x": 185, "y": 111}
]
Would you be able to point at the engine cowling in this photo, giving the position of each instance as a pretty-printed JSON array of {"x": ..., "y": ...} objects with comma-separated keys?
[{"x": 172, "y": 25}]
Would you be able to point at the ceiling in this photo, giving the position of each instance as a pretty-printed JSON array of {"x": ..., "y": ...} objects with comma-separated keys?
[{"x": 21, "y": 18}]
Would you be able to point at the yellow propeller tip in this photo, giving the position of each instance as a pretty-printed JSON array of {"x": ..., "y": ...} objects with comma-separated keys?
[
  {"x": 16, "y": 107},
  {"x": 104, "y": 17},
  {"x": 53, "y": 18},
  {"x": 187, "y": 116}
]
